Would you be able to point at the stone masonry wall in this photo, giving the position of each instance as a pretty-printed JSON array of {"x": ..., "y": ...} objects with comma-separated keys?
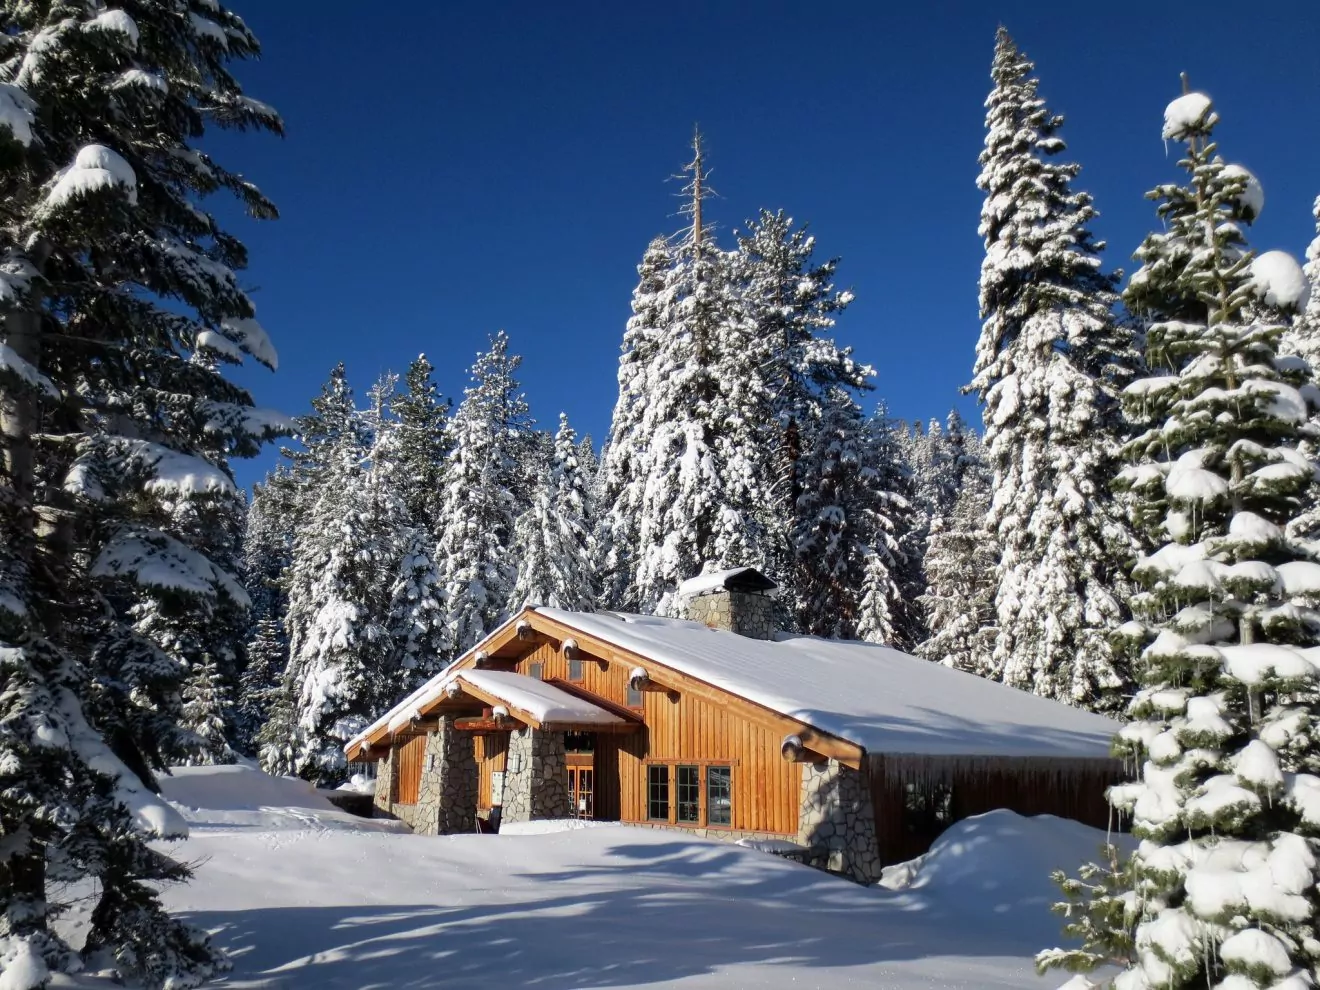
[
  {"x": 387, "y": 791},
  {"x": 539, "y": 787},
  {"x": 735, "y": 611},
  {"x": 447, "y": 795},
  {"x": 836, "y": 813}
]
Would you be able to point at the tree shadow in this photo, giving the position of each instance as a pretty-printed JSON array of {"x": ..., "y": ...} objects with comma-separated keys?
[{"x": 658, "y": 912}]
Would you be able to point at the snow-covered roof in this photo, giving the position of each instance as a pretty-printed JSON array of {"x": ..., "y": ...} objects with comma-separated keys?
[
  {"x": 544, "y": 702},
  {"x": 733, "y": 578},
  {"x": 879, "y": 698}
]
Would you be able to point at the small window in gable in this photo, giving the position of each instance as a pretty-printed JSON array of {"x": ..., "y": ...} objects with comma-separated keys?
[
  {"x": 575, "y": 670},
  {"x": 536, "y": 670}
]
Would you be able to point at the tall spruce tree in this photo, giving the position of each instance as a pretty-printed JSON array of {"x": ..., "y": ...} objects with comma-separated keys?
[
  {"x": 1049, "y": 364},
  {"x": 422, "y": 445},
  {"x": 487, "y": 479},
  {"x": 1222, "y": 888},
  {"x": 624, "y": 466},
  {"x": 553, "y": 536},
  {"x": 342, "y": 668},
  {"x": 113, "y": 279},
  {"x": 687, "y": 481}
]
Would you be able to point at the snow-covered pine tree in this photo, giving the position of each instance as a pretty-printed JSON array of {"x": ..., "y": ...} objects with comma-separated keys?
[
  {"x": 267, "y": 553},
  {"x": 205, "y": 704},
  {"x": 1049, "y": 364},
  {"x": 623, "y": 466},
  {"x": 556, "y": 557},
  {"x": 1222, "y": 887},
  {"x": 112, "y": 277},
  {"x": 1303, "y": 337},
  {"x": 486, "y": 476},
  {"x": 846, "y": 535},
  {"x": 421, "y": 446},
  {"x": 958, "y": 605},
  {"x": 412, "y": 447},
  {"x": 689, "y": 482},
  {"x": 888, "y": 611},
  {"x": 343, "y": 670},
  {"x": 792, "y": 305}
]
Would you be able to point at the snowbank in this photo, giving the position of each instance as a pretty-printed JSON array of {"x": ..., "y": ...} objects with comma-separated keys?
[
  {"x": 241, "y": 796},
  {"x": 1000, "y": 863},
  {"x": 305, "y": 901},
  {"x": 549, "y": 826}
]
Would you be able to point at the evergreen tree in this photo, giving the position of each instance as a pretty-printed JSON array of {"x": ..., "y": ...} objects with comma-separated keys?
[
  {"x": 486, "y": 480},
  {"x": 689, "y": 484},
  {"x": 791, "y": 305},
  {"x": 553, "y": 536},
  {"x": 1304, "y": 336},
  {"x": 888, "y": 611},
  {"x": 267, "y": 652},
  {"x": 114, "y": 283},
  {"x": 206, "y": 703},
  {"x": 422, "y": 446},
  {"x": 624, "y": 464},
  {"x": 959, "y": 602},
  {"x": 1049, "y": 365},
  {"x": 1223, "y": 884},
  {"x": 846, "y": 535},
  {"x": 342, "y": 668},
  {"x": 267, "y": 553}
]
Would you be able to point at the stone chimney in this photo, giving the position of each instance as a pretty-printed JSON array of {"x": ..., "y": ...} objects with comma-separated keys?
[{"x": 741, "y": 600}]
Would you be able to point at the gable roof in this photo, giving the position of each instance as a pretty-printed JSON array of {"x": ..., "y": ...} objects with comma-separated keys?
[
  {"x": 879, "y": 698},
  {"x": 544, "y": 702}
]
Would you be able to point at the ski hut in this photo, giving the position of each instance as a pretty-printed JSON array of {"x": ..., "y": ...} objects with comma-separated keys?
[{"x": 719, "y": 725}]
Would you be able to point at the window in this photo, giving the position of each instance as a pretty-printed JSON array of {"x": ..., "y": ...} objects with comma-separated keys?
[
  {"x": 579, "y": 742},
  {"x": 689, "y": 795},
  {"x": 575, "y": 670},
  {"x": 657, "y": 793},
  {"x": 536, "y": 670},
  {"x": 719, "y": 796},
  {"x": 634, "y": 698}
]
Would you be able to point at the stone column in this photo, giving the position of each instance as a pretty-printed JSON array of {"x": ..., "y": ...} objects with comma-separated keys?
[
  {"x": 836, "y": 814},
  {"x": 538, "y": 788},
  {"x": 447, "y": 795},
  {"x": 387, "y": 784}
]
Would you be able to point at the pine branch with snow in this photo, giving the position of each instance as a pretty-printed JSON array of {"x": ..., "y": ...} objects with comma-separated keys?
[{"x": 1223, "y": 882}]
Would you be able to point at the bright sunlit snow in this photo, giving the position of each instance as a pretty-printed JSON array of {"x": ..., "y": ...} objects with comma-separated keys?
[{"x": 306, "y": 897}]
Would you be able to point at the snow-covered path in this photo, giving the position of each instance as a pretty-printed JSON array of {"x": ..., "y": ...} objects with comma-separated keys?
[{"x": 330, "y": 907}]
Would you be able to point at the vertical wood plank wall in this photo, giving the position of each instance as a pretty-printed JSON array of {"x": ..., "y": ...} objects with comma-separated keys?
[
  {"x": 691, "y": 729},
  {"x": 411, "y": 754}
]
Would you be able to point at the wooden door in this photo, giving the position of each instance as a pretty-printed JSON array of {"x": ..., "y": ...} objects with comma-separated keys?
[{"x": 581, "y": 791}]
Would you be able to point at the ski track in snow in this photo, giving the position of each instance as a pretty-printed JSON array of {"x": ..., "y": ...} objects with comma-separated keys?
[{"x": 305, "y": 897}]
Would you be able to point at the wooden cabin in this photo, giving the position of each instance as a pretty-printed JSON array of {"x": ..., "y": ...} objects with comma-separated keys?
[{"x": 718, "y": 725}]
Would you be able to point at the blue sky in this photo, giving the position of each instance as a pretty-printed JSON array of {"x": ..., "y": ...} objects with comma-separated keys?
[{"x": 453, "y": 169}]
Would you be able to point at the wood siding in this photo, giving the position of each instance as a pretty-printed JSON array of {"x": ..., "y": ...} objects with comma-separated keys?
[
  {"x": 682, "y": 728},
  {"x": 411, "y": 754}
]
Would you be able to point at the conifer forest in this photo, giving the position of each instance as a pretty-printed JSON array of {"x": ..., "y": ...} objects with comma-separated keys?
[{"x": 1132, "y": 525}]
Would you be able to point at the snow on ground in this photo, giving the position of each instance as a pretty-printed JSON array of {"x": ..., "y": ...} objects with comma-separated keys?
[{"x": 305, "y": 897}]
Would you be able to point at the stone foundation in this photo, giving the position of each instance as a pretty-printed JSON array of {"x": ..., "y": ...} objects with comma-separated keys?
[
  {"x": 836, "y": 814},
  {"x": 447, "y": 795},
  {"x": 538, "y": 788}
]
